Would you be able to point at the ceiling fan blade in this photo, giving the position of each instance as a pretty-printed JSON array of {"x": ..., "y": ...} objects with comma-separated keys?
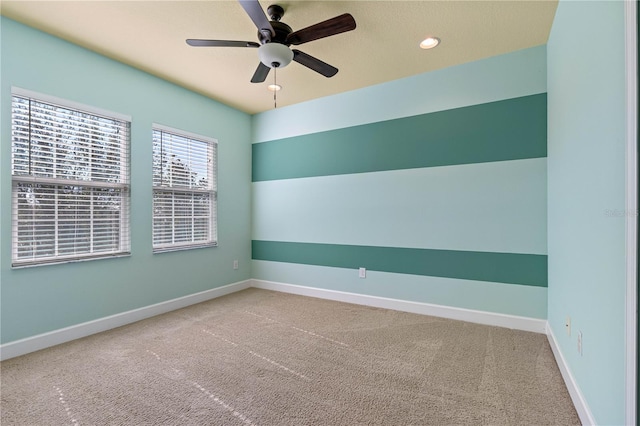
[
  {"x": 333, "y": 26},
  {"x": 257, "y": 15},
  {"x": 261, "y": 73},
  {"x": 221, "y": 43},
  {"x": 314, "y": 63}
]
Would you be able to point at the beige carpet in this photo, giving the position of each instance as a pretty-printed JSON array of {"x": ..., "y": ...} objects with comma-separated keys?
[{"x": 264, "y": 358}]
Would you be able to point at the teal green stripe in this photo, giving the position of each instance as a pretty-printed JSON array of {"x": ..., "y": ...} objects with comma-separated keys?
[
  {"x": 505, "y": 130},
  {"x": 512, "y": 268}
]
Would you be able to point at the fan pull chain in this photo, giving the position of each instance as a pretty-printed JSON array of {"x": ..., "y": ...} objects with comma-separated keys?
[{"x": 275, "y": 86}]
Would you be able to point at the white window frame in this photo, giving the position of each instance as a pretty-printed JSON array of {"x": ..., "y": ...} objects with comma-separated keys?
[
  {"x": 168, "y": 189},
  {"x": 123, "y": 247}
]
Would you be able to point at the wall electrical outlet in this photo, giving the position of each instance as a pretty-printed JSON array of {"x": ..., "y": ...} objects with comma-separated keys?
[
  {"x": 235, "y": 264},
  {"x": 362, "y": 273},
  {"x": 580, "y": 342},
  {"x": 567, "y": 325}
]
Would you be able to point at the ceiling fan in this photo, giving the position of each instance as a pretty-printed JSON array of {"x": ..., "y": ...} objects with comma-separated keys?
[{"x": 275, "y": 38}]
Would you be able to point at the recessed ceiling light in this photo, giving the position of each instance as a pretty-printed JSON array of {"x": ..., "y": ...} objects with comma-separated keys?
[
  {"x": 274, "y": 87},
  {"x": 429, "y": 43}
]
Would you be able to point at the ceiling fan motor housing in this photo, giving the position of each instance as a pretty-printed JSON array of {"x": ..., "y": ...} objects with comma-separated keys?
[{"x": 281, "y": 29}]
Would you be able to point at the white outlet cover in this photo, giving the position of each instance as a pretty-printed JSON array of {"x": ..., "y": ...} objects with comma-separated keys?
[{"x": 362, "y": 273}]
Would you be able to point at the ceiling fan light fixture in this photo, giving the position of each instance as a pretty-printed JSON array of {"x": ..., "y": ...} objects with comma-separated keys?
[
  {"x": 274, "y": 87},
  {"x": 429, "y": 43},
  {"x": 275, "y": 55}
]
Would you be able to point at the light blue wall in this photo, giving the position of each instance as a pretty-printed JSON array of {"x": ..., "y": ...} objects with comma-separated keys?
[
  {"x": 342, "y": 209},
  {"x": 39, "y": 299},
  {"x": 495, "y": 206},
  {"x": 586, "y": 162}
]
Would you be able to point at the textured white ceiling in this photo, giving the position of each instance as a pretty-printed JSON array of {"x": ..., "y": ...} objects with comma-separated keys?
[{"x": 150, "y": 35}]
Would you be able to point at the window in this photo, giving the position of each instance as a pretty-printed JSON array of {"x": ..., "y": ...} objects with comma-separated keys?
[
  {"x": 184, "y": 190},
  {"x": 70, "y": 182}
]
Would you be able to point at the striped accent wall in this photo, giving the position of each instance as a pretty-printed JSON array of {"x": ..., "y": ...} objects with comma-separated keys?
[{"x": 443, "y": 206}]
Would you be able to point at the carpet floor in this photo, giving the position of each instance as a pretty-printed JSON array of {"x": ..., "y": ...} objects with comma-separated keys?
[{"x": 259, "y": 357}]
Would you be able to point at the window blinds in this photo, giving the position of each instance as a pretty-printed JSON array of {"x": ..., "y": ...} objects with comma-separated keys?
[
  {"x": 70, "y": 183},
  {"x": 184, "y": 194}
]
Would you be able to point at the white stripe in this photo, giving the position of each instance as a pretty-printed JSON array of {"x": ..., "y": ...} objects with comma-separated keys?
[
  {"x": 299, "y": 329},
  {"x": 223, "y": 404},
  {"x": 319, "y": 336},
  {"x": 259, "y": 356},
  {"x": 279, "y": 365},
  {"x": 220, "y": 337},
  {"x": 65, "y": 405},
  {"x": 205, "y": 391}
]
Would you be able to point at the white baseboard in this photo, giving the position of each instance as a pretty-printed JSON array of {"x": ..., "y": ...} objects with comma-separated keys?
[
  {"x": 586, "y": 418},
  {"x": 56, "y": 337},
  {"x": 480, "y": 317}
]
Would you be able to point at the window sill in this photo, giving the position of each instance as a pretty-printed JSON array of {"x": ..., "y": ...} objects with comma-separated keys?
[
  {"x": 181, "y": 248},
  {"x": 23, "y": 265}
]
